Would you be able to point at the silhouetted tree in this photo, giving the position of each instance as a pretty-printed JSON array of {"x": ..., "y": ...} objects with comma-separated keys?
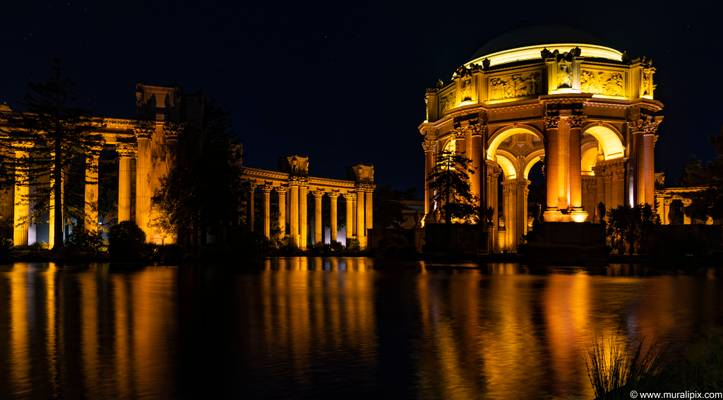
[
  {"x": 44, "y": 138},
  {"x": 389, "y": 208},
  {"x": 449, "y": 181},
  {"x": 201, "y": 192},
  {"x": 627, "y": 226}
]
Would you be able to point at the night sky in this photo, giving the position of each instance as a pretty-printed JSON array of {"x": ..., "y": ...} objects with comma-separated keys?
[{"x": 344, "y": 83}]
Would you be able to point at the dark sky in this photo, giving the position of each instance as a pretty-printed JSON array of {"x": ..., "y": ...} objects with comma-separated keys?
[{"x": 344, "y": 82}]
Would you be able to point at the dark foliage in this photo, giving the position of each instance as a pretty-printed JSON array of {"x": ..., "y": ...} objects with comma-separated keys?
[
  {"x": 127, "y": 242},
  {"x": 200, "y": 196},
  {"x": 449, "y": 180},
  {"x": 626, "y": 226}
]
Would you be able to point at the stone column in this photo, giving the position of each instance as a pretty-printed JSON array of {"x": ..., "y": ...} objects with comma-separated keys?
[
  {"x": 511, "y": 211},
  {"x": 368, "y": 202},
  {"x": 552, "y": 169},
  {"x": 281, "y": 190},
  {"x": 252, "y": 206},
  {"x": 21, "y": 212},
  {"x": 475, "y": 154},
  {"x": 644, "y": 135},
  {"x": 361, "y": 233},
  {"x": 294, "y": 214},
  {"x": 333, "y": 196},
  {"x": 578, "y": 213},
  {"x": 303, "y": 210},
  {"x": 318, "y": 226},
  {"x": 492, "y": 195},
  {"x": 646, "y": 174},
  {"x": 90, "y": 211},
  {"x": 267, "y": 210},
  {"x": 124, "y": 183},
  {"x": 143, "y": 183},
  {"x": 349, "y": 222},
  {"x": 522, "y": 191},
  {"x": 353, "y": 218},
  {"x": 428, "y": 146},
  {"x": 617, "y": 183},
  {"x": 52, "y": 208}
]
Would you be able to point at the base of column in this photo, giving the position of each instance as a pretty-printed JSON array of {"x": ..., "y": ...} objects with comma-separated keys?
[
  {"x": 578, "y": 215},
  {"x": 552, "y": 215}
]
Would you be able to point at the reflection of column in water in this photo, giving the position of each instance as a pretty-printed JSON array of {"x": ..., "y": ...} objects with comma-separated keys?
[
  {"x": 567, "y": 313},
  {"x": 89, "y": 329},
  {"x": 51, "y": 326},
  {"x": 19, "y": 356}
]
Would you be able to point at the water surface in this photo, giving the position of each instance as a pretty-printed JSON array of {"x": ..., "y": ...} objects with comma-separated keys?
[{"x": 322, "y": 327}]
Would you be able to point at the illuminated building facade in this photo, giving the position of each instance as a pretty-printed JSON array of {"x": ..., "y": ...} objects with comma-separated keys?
[
  {"x": 292, "y": 189},
  {"x": 145, "y": 151},
  {"x": 550, "y": 95}
]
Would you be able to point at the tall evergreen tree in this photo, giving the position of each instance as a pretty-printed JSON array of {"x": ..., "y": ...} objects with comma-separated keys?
[
  {"x": 47, "y": 135},
  {"x": 449, "y": 180},
  {"x": 201, "y": 192}
]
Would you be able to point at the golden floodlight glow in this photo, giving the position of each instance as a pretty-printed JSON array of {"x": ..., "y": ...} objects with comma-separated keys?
[
  {"x": 533, "y": 53},
  {"x": 611, "y": 144}
]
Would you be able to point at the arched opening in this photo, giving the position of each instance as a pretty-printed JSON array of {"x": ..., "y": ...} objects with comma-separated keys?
[
  {"x": 602, "y": 168},
  {"x": 512, "y": 151}
]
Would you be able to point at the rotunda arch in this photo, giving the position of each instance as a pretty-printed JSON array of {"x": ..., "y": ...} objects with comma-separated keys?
[
  {"x": 507, "y": 132},
  {"x": 609, "y": 139}
]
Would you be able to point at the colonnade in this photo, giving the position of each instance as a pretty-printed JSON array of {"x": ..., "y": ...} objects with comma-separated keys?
[
  {"x": 293, "y": 193},
  {"x": 21, "y": 197}
]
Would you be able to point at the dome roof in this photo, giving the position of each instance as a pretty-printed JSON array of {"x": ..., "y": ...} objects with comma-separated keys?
[{"x": 537, "y": 35}]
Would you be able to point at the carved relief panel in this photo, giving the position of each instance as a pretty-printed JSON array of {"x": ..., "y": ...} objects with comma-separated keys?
[
  {"x": 608, "y": 83},
  {"x": 515, "y": 85},
  {"x": 446, "y": 102}
]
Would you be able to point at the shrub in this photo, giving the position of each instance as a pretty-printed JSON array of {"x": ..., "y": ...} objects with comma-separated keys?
[
  {"x": 127, "y": 242},
  {"x": 80, "y": 241}
]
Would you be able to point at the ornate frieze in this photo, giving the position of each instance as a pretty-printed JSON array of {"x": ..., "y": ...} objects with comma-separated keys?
[
  {"x": 608, "y": 83},
  {"x": 515, "y": 85}
]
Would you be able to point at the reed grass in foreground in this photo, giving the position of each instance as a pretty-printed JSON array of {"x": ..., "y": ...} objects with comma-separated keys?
[{"x": 612, "y": 368}]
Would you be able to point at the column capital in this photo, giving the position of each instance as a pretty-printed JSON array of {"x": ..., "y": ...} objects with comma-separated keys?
[
  {"x": 281, "y": 189},
  {"x": 266, "y": 188},
  {"x": 646, "y": 125},
  {"x": 126, "y": 149},
  {"x": 577, "y": 121},
  {"x": 318, "y": 194},
  {"x": 428, "y": 146},
  {"x": 552, "y": 122},
  {"x": 350, "y": 196},
  {"x": 333, "y": 195}
]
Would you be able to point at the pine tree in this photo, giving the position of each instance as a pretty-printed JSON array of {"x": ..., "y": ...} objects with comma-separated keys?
[
  {"x": 201, "y": 192},
  {"x": 44, "y": 138},
  {"x": 449, "y": 180}
]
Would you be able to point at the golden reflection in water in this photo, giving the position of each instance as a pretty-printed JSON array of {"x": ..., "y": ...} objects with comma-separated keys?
[
  {"x": 117, "y": 351},
  {"x": 532, "y": 333},
  {"x": 305, "y": 309},
  {"x": 566, "y": 302},
  {"x": 19, "y": 357}
]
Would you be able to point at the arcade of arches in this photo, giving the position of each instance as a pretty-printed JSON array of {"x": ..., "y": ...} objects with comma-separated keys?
[{"x": 585, "y": 111}]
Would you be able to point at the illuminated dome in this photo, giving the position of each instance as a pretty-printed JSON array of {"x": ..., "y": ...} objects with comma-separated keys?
[{"x": 526, "y": 43}]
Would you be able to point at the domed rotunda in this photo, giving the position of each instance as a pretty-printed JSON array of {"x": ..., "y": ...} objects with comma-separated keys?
[{"x": 554, "y": 95}]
